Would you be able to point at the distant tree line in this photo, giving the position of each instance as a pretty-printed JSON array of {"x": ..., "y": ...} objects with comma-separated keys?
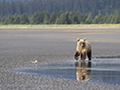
[
  {"x": 10, "y": 7},
  {"x": 62, "y": 18}
]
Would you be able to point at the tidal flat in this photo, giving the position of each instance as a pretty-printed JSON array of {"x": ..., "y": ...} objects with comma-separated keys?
[{"x": 21, "y": 45}]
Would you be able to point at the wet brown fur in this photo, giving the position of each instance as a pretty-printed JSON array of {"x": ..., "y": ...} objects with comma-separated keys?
[{"x": 83, "y": 49}]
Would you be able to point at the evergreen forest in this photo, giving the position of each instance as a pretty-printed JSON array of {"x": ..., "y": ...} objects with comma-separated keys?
[{"x": 59, "y": 11}]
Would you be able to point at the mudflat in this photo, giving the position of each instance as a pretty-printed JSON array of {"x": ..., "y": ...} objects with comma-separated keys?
[{"x": 20, "y": 45}]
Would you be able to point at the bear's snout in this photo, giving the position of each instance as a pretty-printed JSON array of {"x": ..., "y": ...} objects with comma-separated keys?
[{"x": 83, "y": 45}]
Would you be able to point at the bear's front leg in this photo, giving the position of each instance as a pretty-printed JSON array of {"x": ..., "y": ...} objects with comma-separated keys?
[
  {"x": 83, "y": 55},
  {"x": 76, "y": 55}
]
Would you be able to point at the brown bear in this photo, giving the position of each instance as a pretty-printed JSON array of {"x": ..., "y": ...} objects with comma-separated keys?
[{"x": 83, "y": 49}]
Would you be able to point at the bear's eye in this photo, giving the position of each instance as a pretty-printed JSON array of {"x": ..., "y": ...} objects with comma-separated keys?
[{"x": 83, "y": 43}]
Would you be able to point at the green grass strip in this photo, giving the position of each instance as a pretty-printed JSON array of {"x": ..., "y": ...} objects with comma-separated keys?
[{"x": 64, "y": 25}]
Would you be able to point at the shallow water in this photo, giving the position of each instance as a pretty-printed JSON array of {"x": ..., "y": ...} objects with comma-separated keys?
[{"x": 105, "y": 70}]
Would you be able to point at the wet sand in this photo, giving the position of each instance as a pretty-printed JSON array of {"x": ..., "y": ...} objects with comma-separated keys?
[{"x": 18, "y": 46}]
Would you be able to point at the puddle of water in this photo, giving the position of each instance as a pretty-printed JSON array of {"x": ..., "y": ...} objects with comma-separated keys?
[{"x": 105, "y": 70}]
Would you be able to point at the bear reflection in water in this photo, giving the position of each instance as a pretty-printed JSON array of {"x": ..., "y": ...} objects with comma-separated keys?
[{"x": 83, "y": 71}]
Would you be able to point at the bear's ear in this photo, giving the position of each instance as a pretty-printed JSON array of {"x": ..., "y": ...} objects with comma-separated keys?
[
  {"x": 78, "y": 39},
  {"x": 84, "y": 39}
]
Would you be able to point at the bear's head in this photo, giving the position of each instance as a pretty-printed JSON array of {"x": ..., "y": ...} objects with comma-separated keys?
[
  {"x": 80, "y": 45},
  {"x": 81, "y": 42}
]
